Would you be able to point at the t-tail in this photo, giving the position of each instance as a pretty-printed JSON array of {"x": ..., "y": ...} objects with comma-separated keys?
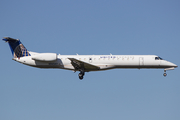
[{"x": 17, "y": 48}]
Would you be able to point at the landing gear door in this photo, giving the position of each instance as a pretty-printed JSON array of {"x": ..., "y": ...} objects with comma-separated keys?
[{"x": 141, "y": 61}]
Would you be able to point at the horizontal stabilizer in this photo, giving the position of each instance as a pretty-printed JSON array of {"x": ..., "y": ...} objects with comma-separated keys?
[{"x": 8, "y": 39}]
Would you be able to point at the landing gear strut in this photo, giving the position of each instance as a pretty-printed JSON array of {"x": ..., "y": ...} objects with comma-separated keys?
[
  {"x": 81, "y": 74},
  {"x": 164, "y": 73}
]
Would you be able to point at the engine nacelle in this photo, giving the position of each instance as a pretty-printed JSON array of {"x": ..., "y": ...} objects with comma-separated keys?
[{"x": 47, "y": 57}]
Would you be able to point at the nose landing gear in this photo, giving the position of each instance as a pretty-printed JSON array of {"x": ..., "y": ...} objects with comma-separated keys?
[{"x": 165, "y": 74}]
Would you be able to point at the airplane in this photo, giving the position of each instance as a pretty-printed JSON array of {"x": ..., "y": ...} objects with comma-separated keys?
[{"x": 85, "y": 63}]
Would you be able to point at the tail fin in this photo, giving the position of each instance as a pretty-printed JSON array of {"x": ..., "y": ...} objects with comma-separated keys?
[{"x": 17, "y": 48}]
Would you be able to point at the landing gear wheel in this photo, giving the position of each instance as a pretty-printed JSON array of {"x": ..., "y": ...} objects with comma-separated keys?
[
  {"x": 164, "y": 74},
  {"x": 81, "y": 75}
]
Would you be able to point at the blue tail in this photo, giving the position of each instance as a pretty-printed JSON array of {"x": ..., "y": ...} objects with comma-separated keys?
[{"x": 17, "y": 48}]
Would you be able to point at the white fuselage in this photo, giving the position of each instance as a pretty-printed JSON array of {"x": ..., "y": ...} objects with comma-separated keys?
[
  {"x": 84, "y": 63},
  {"x": 104, "y": 62}
]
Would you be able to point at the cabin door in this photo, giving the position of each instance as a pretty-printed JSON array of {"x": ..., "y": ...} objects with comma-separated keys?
[{"x": 141, "y": 61}]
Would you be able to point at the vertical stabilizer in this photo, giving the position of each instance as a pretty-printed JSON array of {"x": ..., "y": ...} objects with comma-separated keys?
[{"x": 17, "y": 48}]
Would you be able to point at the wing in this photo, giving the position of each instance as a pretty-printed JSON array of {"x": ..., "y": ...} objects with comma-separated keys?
[{"x": 78, "y": 65}]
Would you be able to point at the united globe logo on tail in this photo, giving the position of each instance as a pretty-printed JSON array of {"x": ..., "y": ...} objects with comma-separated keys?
[{"x": 20, "y": 51}]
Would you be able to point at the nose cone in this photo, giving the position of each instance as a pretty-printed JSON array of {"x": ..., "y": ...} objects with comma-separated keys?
[
  {"x": 170, "y": 64},
  {"x": 175, "y": 66}
]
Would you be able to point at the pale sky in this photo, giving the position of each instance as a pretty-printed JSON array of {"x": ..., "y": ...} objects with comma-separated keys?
[{"x": 96, "y": 27}]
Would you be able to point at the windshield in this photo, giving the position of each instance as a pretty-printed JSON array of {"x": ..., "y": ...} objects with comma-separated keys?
[{"x": 158, "y": 58}]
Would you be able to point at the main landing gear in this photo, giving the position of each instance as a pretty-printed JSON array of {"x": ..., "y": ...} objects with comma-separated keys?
[
  {"x": 165, "y": 74},
  {"x": 81, "y": 74}
]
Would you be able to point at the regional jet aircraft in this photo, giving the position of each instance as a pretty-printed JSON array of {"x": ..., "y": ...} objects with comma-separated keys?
[{"x": 85, "y": 63}]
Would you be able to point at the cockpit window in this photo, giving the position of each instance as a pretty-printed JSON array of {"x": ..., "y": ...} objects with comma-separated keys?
[{"x": 158, "y": 58}]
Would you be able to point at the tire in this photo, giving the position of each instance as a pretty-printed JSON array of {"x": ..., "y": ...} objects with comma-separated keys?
[
  {"x": 164, "y": 74},
  {"x": 80, "y": 77}
]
